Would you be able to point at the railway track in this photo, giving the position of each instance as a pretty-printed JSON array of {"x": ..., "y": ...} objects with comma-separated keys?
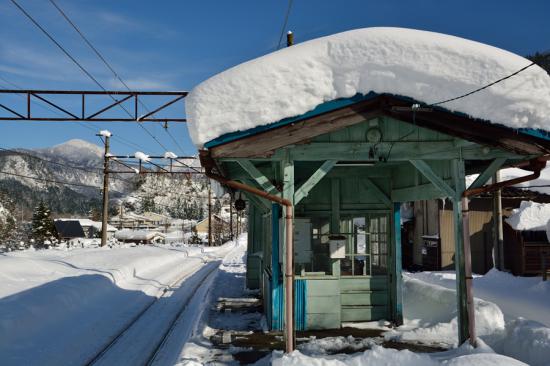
[{"x": 174, "y": 300}]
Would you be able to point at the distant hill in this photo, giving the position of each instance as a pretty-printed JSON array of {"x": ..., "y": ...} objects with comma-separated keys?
[{"x": 80, "y": 162}]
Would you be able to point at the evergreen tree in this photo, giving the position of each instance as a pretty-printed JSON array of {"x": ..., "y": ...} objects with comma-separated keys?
[
  {"x": 8, "y": 223},
  {"x": 42, "y": 225}
]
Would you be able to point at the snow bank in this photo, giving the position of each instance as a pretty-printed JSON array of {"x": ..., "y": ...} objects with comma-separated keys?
[
  {"x": 431, "y": 314},
  {"x": 530, "y": 216},
  {"x": 463, "y": 356},
  {"x": 426, "y": 66}
]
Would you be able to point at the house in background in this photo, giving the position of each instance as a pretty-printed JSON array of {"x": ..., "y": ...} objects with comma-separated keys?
[
  {"x": 91, "y": 228},
  {"x": 140, "y": 236},
  {"x": 68, "y": 229},
  {"x": 428, "y": 239}
]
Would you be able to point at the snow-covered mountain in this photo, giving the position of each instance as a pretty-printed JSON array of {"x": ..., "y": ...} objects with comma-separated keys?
[
  {"x": 76, "y": 151},
  {"x": 34, "y": 176}
]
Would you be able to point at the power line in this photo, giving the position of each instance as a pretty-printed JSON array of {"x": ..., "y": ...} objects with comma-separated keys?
[
  {"x": 81, "y": 67},
  {"x": 108, "y": 65},
  {"x": 51, "y": 180},
  {"x": 285, "y": 23},
  {"x": 483, "y": 87}
]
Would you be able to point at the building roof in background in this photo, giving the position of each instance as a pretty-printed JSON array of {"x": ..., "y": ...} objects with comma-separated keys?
[
  {"x": 69, "y": 229},
  {"x": 90, "y": 223},
  {"x": 530, "y": 216},
  {"x": 138, "y": 235}
]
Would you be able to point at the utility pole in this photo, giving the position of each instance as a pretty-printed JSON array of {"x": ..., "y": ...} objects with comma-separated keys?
[
  {"x": 209, "y": 214},
  {"x": 105, "y": 190},
  {"x": 231, "y": 218}
]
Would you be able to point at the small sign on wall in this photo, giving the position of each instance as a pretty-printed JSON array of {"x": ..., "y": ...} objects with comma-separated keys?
[{"x": 337, "y": 246}]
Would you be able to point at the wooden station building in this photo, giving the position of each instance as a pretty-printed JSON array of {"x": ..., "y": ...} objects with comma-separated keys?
[{"x": 347, "y": 166}]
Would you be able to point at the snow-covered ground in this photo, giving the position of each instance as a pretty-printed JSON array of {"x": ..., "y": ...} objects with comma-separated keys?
[
  {"x": 61, "y": 306},
  {"x": 512, "y": 313}
]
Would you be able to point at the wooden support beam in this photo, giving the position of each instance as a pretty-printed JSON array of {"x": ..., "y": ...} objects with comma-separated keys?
[
  {"x": 315, "y": 178},
  {"x": 258, "y": 176},
  {"x": 377, "y": 191},
  {"x": 416, "y": 193},
  {"x": 395, "y": 151},
  {"x": 488, "y": 173},
  {"x": 261, "y": 203},
  {"x": 397, "y": 266},
  {"x": 427, "y": 171},
  {"x": 460, "y": 267}
]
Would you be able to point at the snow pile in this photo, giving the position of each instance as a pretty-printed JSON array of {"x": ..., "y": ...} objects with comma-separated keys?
[
  {"x": 105, "y": 133},
  {"x": 142, "y": 156},
  {"x": 463, "y": 356},
  {"x": 431, "y": 315},
  {"x": 530, "y": 216},
  {"x": 526, "y": 340},
  {"x": 170, "y": 155},
  {"x": 429, "y": 67}
]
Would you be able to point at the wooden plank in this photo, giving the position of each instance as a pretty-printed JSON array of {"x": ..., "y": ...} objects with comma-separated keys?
[
  {"x": 395, "y": 151},
  {"x": 358, "y": 284},
  {"x": 377, "y": 191},
  {"x": 323, "y": 287},
  {"x": 315, "y": 178},
  {"x": 487, "y": 173},
  {"x": 323, "y": 304},
  {"x": 365, "y": 298},
  {"x": 363, "y": 313},
  {"x": 263, "y": 144},
  {"x": 258, "y": 176},
  {"x": 438, "y": 182},
  {"x": 323, "y": 321}
]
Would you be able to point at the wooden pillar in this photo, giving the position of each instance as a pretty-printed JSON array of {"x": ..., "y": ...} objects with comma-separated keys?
[
  {"x": 498, "y": 230},
  {"x": 288, "y": 193},
  {"x": 460, "y": 264},
  {"x": 397, "y": 266},
  {"x": 335, "y": 218}
]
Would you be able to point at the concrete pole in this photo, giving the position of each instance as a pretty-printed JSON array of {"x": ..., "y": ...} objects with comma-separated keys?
[{"x": 105, "y": 215}]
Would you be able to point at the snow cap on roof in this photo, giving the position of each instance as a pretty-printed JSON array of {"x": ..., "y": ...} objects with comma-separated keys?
[
  {"x": 530, "y": 216},
  {"x": 429, "y": 67}
]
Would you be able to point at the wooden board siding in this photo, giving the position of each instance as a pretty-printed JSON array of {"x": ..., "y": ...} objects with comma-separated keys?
[
  {"x": 481, "y": 240},
  {"x": 323, "y": 303},
  {"x": 364, "y": 298}
]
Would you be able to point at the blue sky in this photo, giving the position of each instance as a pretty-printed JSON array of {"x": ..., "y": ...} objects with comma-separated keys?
[{"x": 174, "y": 45}]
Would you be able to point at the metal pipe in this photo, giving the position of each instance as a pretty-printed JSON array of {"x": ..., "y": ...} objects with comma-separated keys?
[
  {"x": 289, "y": 265},
  {"x": 535, "y": 165}
]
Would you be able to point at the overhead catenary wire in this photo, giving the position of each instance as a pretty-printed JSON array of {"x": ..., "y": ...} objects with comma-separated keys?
[
  {"x": 483, "y": 87},
  {"x": 287, "y": 15},
  {"x": 107, "y": 64},
  {"x": 82, "y": 68}
]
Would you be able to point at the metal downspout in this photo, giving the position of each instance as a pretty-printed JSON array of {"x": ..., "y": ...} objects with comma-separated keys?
[{"x": 289, "y": 267}]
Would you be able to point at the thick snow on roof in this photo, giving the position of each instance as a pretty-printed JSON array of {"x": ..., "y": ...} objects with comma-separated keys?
[
  {"x": 530, "y": 216},
  {"x": 426, "y": 66}
]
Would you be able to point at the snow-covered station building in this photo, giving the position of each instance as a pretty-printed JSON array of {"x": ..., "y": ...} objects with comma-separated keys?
[{"x": 334, "y": 134}]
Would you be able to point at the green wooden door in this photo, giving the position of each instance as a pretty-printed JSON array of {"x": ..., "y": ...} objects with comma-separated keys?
[{"x": 364, "y": 285}]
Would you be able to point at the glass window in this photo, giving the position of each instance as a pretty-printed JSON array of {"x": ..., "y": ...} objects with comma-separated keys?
[
  {"x": 320, "y": 261},
  {"x": 366, "y": 245}
]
